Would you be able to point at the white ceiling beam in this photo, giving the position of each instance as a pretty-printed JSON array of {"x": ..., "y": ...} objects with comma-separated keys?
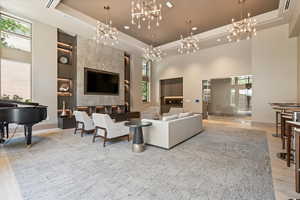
[{"x": 295, "y": 19}]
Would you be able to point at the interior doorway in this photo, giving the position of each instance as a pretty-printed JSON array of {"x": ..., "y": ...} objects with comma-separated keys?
[{"x": 227, "y": 97}]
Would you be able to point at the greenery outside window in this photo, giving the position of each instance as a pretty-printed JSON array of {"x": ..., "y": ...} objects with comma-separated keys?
[
  {"x": 15, "y": 33},
  {"x": 146, "y": 81}
]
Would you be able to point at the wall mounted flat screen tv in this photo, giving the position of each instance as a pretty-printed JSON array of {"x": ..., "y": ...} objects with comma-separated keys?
[{"x": 100, "y": 82}]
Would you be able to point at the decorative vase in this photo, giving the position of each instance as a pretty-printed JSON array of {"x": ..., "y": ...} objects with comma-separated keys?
[{"x": 64, "y": 113}]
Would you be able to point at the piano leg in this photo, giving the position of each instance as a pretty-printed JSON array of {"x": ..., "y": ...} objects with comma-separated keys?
[
  {"x": 25, "y": 132},
  {"x": 2, "y": 133},
  {"x": 28, "y": 130},
  {"x": 7, "y": 130}
]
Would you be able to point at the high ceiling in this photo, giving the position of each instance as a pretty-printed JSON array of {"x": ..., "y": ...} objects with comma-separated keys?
[{"x": 205, "y": 15}]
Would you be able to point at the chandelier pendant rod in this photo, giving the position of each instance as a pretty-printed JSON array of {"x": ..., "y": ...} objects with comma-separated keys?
[{"x": 107, "y": 15}]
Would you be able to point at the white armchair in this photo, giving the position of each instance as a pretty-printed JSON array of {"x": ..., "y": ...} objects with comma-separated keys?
[
  {"x": 107, "y": 129},
  {"x": 83, "y": 123}
]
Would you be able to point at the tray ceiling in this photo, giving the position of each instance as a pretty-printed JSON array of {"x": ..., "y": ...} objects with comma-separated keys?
[{"x": 205, "y": 15}]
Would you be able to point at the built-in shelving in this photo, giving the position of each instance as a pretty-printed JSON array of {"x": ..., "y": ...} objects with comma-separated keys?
[
  {"x": 64, "y": 94},
  {"x": 64, "y": 79},
  {"x": 173, "y": 97},
  {"x": 171, "y": 94},
  {"x": 64, "y": 50},
  {"x": 66, "y": 72},
  {"x": 64, "y": 45}
]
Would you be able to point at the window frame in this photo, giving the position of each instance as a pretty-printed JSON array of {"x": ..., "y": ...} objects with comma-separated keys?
[
  {"x": 146, "y": 78},
  {"x": 18, "y": 34}
]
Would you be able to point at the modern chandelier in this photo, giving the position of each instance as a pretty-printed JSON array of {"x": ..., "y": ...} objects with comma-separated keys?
[
  {"x": 145, "y": 11},
  {"x": 106, "y": 33},
  {"x": 153, "y": 53},
  {"x": 245, "y": 28},
  {"x": 188, "y": 44}
]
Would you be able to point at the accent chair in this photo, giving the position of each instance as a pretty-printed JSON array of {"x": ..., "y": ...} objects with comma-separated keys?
[{"x": 107, "y": 129}]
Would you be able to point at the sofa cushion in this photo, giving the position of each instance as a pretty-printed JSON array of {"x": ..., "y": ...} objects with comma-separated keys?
[
  {"x": 182, "y": 115},
  {"x": 169, "y": 118}
]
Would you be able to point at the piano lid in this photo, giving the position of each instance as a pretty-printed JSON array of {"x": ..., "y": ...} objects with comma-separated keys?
[{"x": 21, "y": 103}]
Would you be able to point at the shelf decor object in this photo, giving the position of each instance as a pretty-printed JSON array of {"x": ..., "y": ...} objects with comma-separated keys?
[
  {"x": 66, "y": 76},
  {"x": 106, "y": 33},
  {"x": 145, "y": 11},
  {"x": 63, "y": 60},
  {"x": 64, "y": 87},
  {"x": 245, "y": 28},
  {"x": 63, "y": 113}
]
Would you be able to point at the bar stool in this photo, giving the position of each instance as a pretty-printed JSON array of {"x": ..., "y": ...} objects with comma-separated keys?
[
  {"x": 278, "y": 124},
  {"x": 297, "y": 159},
  {"x": 290, "y": 135},
  {"x": 284, "y": 117}
]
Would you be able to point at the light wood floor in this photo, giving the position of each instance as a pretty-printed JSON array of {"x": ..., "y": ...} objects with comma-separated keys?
[{"x": 283, "y": 177}]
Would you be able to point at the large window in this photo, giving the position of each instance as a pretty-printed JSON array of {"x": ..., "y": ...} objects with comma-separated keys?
[
  {"x": 15, "y": 58},
  {"x": 146, "y": 82}
]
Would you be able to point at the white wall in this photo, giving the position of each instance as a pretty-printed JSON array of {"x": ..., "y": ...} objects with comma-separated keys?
[
  {"x": 294, "y": 22},
  {"x": 274, "y": 66},
  {"x": 217, "y": 62},
  {"x": 136, "y": 87},
  {"x": 298, "y": 84},
  {"x": 44, "y": 68},
  {"x": 271, "y": 57}
]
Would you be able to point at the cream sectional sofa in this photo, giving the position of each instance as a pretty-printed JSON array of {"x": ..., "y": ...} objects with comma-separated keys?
[{"x": 169, "y": 132}]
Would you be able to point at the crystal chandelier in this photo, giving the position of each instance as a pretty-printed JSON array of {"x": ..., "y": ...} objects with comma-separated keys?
[
  {"x": 245, "y": 28},
  {"x": 153, "y": 53},
  {"x": 145, "y": 11},
  {"x": 106, "y": 33},
  {"x": 188, "y": 44}
]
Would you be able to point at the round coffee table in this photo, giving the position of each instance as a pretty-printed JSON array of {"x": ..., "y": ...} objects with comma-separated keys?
[{"x": 137, "y": 132}]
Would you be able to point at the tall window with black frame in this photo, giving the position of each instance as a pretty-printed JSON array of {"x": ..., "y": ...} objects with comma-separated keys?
[{"x": 146, "y": 81}]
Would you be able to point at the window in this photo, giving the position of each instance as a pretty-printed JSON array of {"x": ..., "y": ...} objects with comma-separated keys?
[
  {"x": 15, "y": 60},
  {"x": 146, "y": 85},
  {"x": 15, "y": 33},
  {"x": 15, "y": 79}
]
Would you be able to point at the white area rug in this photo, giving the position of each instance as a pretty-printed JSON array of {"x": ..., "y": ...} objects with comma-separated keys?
[{"x": 220, "y": 163}]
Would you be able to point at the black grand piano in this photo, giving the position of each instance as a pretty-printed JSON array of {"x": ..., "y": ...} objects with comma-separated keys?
[{"x": 21, "y": 113}]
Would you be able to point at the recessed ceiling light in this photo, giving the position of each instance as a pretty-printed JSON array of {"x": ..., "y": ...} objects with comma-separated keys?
[
  {"x": 219, "y": 40},
  {"x": 169, "y": 4},
  {"x": 126, "y": 27},
  {"x": 194, "y": 28}
]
